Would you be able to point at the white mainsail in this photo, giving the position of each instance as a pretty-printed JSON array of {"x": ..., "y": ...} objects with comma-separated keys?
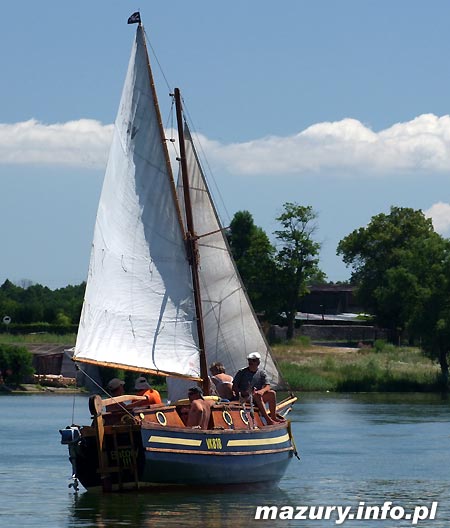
[
  {"x": 138, "y": 311},
  {"x": 231, "y": 328}
]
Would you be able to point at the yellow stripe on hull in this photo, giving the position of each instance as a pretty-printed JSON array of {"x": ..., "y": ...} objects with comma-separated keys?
[
  {"x": 176, "y": 441},
  {"x": 258, "y": 441}
]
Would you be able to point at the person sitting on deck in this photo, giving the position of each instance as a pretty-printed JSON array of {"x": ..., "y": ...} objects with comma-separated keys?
[
  {"x": 252, "y": 381},
  {"x": 144, "y": 389},
  {"x": 183, "y": 413},
  {"x": 115, "y": 387},
  {"x": 200, "y": 410},
  {"x": 223, "y": 383}
]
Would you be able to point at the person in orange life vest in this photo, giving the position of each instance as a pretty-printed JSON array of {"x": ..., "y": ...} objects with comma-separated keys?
[{"x": 143, "y": 389}]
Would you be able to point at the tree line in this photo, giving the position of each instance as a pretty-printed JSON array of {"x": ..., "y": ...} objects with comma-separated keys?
[
  {"x": 39, "y": 304},
  {"x": 399, "y": 265}
]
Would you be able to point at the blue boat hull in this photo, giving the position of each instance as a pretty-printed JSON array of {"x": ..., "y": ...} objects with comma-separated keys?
[{"x": 216, "y": 457}]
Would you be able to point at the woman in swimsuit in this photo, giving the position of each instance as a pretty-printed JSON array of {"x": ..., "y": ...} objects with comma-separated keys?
[{"x": 223, "y": 382}]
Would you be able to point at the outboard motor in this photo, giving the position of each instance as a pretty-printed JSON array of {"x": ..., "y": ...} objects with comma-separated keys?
[{"x": 71, "y": 436}]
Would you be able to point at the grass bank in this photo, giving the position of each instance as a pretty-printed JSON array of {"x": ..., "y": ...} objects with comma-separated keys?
[
  {"x": 306, "y": 367},
  {"x": 382, "y": 368},
  {"x": 37, "y": 338}
]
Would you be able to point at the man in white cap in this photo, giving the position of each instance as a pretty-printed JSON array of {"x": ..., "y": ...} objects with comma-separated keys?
[{"x": 252, "y": 380}]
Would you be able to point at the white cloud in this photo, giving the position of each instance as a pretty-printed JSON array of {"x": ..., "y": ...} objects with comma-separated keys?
[
  {"x": 82, "y": 143},
  {"x": 346, "y": 146},
  {"x": 440, "y": 215}
]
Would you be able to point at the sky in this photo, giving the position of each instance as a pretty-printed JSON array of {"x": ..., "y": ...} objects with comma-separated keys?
[{"x": 340, "y": 105}]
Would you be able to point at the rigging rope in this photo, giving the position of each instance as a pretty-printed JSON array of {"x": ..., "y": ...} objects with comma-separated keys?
[
  {"x": 157, "y": 61},
  {"x": 73, "y": 410},
  {"x": 204, "y": 162}
]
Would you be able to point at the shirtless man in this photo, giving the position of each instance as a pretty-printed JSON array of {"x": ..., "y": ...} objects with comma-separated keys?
[{"x": 200, "y": 410}]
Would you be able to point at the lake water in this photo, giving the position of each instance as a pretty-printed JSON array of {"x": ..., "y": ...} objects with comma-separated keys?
[{"x": 354, "y": 449}]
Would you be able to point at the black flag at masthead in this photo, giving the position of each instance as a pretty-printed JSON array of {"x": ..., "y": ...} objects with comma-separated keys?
[{"x": 135, "y": 18}]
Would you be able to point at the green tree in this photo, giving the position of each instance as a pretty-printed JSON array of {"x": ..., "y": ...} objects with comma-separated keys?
[
  {"x": 253, "y": 254},
  {"x": 377, "y": 248},
  {"x": 241, "y": 230},
  {"x": 429, "y": 320},
  {"x": 36, "y": 303},
  {"x": 62, "y": 319},
  {"x": 401, "y": 267},
  {"x": 297, "y": 258},
  {"x": 16, "y": 364}
]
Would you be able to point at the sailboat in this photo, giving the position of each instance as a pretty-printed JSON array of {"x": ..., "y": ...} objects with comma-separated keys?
[{"x": 163, "y": 296}]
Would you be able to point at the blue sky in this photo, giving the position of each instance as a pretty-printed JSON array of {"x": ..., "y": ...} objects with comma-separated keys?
[{"x": 343, "y": 106}]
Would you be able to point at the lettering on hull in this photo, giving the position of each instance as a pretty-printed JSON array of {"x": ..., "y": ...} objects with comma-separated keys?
[
  {"x": 214, "y": 443},
  {"x": 124, "y": 456}
]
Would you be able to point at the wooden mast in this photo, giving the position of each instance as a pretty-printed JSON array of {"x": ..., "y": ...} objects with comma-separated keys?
[{"x": 191, "y": 244}]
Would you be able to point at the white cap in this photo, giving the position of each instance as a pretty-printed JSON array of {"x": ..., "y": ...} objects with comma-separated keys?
[
  {"x": 114, "y": 384},
  {"x": 254, "y": 355}
]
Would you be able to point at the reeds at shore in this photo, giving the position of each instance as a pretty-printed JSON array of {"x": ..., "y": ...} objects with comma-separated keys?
[{"x": 380, "y": 368}]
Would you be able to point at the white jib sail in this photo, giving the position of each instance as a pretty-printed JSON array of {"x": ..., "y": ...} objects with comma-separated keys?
[
  {"x": 231, "y": 328},
  {"x": 138, "y": 310}
]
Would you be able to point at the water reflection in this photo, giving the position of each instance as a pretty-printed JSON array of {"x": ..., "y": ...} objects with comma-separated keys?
[
  {"x": 226, "y": 510},
  {"x": 172, "y": 508}
]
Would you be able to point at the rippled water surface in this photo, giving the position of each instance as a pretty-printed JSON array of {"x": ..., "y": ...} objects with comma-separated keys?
[{"x": 354, "y": 449}]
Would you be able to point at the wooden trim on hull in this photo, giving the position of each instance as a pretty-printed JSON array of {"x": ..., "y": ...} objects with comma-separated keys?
[
  {"x": 218, "y": 440},
  {"x": 260, "y": 441},
  {"x": 218, "y": 453}
]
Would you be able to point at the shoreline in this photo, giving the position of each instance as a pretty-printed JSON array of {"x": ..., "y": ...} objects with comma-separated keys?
[
  {"x": 27, "y": 388},
  {"x": 317, "y": 367}
]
